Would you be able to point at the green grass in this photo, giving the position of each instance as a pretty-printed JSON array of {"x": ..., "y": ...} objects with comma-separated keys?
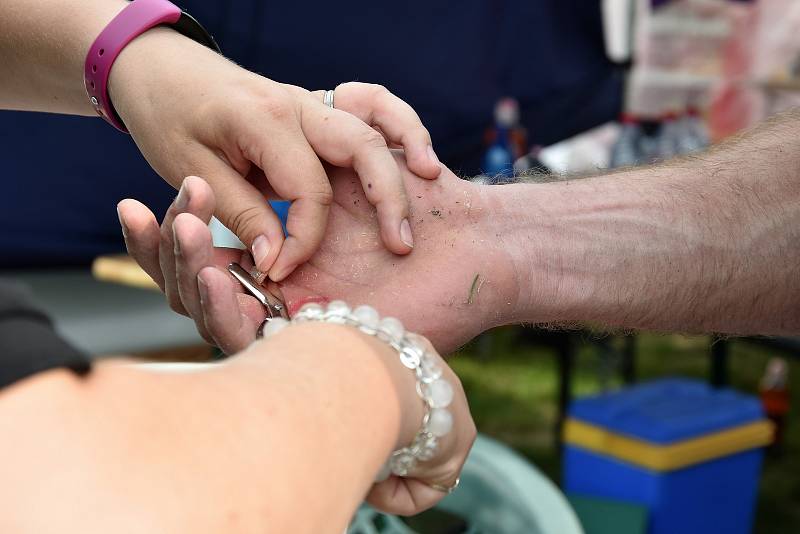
[{"x": 512, "y": 390}]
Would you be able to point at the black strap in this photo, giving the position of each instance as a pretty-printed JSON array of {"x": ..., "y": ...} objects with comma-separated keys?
[
  {"x": 188, "y": 26},
  {"x": 28, "y": 342}
]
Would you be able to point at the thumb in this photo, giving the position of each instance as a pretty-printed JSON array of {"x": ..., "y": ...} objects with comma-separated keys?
[{"x": 245, "y": 211}]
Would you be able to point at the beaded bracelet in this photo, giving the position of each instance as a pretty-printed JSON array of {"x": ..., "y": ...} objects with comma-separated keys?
[{"x": 435, "y": 391}]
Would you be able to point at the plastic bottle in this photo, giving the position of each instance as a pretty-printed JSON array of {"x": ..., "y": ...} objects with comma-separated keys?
[
  {"x": 498, "y": 161},
  {"x": 774, "y": 393}
]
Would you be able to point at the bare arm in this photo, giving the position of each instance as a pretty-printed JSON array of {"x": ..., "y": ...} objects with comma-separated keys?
[
  {"x": 43, "y": 45},
  {"x": 709, "y": 243},
  {"x": 191, "y": 111},
  {"x": 705, "y": 243},
  {"x": 286, "y": 437}
]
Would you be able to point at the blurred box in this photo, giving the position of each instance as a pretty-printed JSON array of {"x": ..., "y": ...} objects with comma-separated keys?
[
  {"x": 689, "y": 453},
  {"x": 603, "y": 516}
]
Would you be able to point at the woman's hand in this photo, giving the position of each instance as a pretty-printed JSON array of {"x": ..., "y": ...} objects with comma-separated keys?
[
  {"x": 458, "y": 283},
  {"x": 422, "y": 487},
  {"x": 191, "y": 111}
]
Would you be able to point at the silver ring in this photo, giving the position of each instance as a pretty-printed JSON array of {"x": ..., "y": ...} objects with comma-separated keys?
[
  {"x": 327, "y": 98},
  {"x": 443, "y": 488}
]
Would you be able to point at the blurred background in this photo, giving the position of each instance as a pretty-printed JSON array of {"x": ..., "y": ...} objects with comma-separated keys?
[{"x": 506, "y": 88}]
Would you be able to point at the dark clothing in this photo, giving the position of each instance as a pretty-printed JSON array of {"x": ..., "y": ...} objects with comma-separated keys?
[
  {"x": 451, "y": 61},
  {"x": 28, "y": 342}
]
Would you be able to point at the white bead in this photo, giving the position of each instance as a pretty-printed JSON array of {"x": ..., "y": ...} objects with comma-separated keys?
[
  {"x": 337, "y": 312},
  {"x": 440, "y": 422},
  {"x": 312, "y": 310},
  {"x": 426, "y": 454},
  {"x": 439, "y": 393},
  {"x": 383, "y": 474},
  {"x": 417, "y": 342},
  {"x": 431, "y": 370},
  {"x": 274, "y": 326},
  {"x": 413, "y": 351},
  {"x": 367, "y": 316},
  {"x": 401, "y": 463},
  {"x": 338, "y": 308},
  {"x": 427, "y": 449},
  {"x": 393, "y": 328},
  {"x": 409, "y": 357}
]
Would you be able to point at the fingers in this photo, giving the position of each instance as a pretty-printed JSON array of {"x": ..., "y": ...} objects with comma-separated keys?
[
  {"x": 141, "y": 233},
  {"x": 346, "y": 141},
  {"x": 176, "y": 253},
  {"x": 193, "y": 252},
  {"x": 295, "y": 173},
  {"x": 231, "y": 330},
  {"x": 399, "y": 123},
  {"x": 403, "y": 496},
  {"x": 195, "y": 197},
  {"x": 412, "y": 494},
  {"x": 243, "y": 209}
]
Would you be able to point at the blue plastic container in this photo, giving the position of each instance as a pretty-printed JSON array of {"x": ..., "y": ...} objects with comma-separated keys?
[{"x": 690, "y": 453}]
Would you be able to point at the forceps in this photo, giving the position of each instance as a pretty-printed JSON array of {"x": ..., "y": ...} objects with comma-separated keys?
[{"x": 275, "y": 308}]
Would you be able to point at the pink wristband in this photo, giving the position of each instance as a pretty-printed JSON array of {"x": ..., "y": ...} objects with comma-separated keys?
[{"x": 135, "y": 19}]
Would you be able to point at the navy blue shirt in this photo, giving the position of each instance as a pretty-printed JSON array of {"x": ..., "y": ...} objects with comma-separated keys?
[{"x": 450, "y": 60}]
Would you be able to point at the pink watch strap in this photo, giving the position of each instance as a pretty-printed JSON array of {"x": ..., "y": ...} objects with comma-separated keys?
[{"x": 135, "y": 19}]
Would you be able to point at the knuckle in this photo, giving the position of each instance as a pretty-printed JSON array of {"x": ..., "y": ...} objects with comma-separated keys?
[
  {"x": 323, "y": 196},
  {"x": 371, "y": 139},
  {"x": 379, "y": 95},
  {"x": 295, "y": 90},
  {"x": 378, "y": 90},
  {"x": 424, "y": 133},
  {"x": 278, "y": 107},
  {"x": 244, "y": 219},
  {"x": 472, "y": 432}
]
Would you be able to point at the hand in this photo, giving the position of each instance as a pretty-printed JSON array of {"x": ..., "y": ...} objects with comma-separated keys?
[
  {"x": 191, "y": 111},
  {"x": 228, "y": 317},
  {"x": 457, "y": 283},
  {"x": 413, "y": 493},
  {"x": 396, "y": 495}
]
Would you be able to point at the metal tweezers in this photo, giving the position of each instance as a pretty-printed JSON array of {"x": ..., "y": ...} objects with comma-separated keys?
[{"x": 275, "y": 308}]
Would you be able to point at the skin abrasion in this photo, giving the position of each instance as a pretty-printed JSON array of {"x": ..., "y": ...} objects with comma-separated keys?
[{"x": 475, "y": 288}]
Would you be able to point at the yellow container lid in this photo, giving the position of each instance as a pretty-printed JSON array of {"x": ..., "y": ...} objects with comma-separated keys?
[{"x": 670, "y": 456}]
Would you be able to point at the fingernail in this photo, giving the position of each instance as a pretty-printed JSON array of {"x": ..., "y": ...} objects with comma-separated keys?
[
  {"x": 432, "y": 155},
  {"x": 405, "y": 233},
  {"x": 202, "y": 289},
  {"x": 260, "y": 252},
  {"x": 182, "y": 200},
  {"x": 122, "y": 224}
]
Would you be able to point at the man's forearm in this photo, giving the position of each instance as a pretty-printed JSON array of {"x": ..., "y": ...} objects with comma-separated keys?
[{"x": 705, "y": 243}]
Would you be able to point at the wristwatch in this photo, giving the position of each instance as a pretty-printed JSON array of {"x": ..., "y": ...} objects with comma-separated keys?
[{"x": 135, "y": 19}]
